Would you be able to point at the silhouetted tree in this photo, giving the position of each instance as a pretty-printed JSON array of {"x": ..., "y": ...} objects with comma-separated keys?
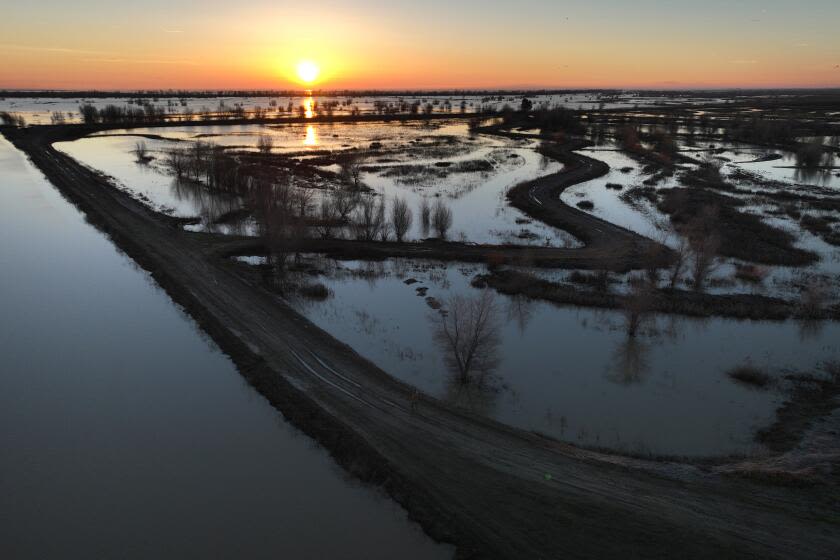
[
  {"x": 441, "y": 218},
  {"x": 468, "y": 331},
  {"x": 401, "y": 218}
]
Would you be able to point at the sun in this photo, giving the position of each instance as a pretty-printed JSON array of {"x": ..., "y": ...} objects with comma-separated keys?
[{"x": 307, "y": 71}]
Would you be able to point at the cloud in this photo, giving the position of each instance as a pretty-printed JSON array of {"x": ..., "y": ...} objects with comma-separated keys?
[
  {"x": 172, "y": 30},
  {"x": 743, "y": 62}
]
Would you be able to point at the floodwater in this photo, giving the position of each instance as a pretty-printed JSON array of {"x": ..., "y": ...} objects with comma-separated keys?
[
  {"x": 124, "y": 433},
  {"x": 40, "y": 110},
  {"x": 477, "y": 197},
  {"x": 572, "y": 373},
  {"x": 643, "y": 217}
]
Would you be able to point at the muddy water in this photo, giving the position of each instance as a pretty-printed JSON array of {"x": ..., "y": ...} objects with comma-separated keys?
[
  {"x": 126, "y": 434},
  {"x": 573, "y": 373}
]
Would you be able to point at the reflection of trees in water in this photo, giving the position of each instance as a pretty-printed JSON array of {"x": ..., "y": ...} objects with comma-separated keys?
[
  {"x": 520, "y": 309},
  {"x": 815, "y": 176},
  {"x": 810, "y": 329},
  {"x": 477, "y": 398},
  {"x": 208, "y": 206},
  {"x": 630, "y": 362}
]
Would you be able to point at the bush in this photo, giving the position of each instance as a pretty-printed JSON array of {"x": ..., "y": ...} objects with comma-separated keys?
[{"x": 441, "y": 218}]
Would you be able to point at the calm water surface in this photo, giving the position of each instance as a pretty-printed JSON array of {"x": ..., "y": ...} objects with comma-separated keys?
[{"x": 126, "y": 434}]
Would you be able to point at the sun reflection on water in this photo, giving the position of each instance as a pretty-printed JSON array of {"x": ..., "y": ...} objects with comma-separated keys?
[{"x": 311, "y": 136}]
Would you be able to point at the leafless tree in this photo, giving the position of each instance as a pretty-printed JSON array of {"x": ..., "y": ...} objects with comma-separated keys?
[
  {"x": 384, "y": 224},
  {"x": 441, "y": 218},
  {"x": 141, "y": 152},
  {"x": 368, "y": 219},
  {"x": 351, "y": 164},
  {"x": 327, "y": 217},
  {"x": 273, "y": 205},
  {"x": 469, "y": 331},
  {"x": 704, "y": 239},
  {"x": 680, "y": 262},
  {"x": 265, "y": 144},
  {"x": 401, "y": 218},
  {"x": 345, "y": 203}
]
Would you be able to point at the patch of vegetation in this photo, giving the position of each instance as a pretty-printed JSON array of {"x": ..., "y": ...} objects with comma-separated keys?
[{"x": 743, "y": 236}]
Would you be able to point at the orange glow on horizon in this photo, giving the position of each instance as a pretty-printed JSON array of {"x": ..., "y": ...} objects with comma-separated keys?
[{"x": 305, "y": 47}]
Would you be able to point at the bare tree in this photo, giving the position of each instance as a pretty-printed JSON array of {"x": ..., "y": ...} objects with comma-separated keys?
[
  {"x": 265, "y": 144},
  {"x": 705, "y": 242},
  {"x": 141, "y": 152},
  {"x": 678, "y": 265},
  {"x": 469, "y": 331},
  {"x": 345, "y": 203},
  {"x": 327, "y": 217},
  {"x": 351, "y": 164},
  {"x": 382, "y": 220},
  {"x": 401, "y": 218},
  {"x": 368, "y": 219},
  {"x": 273, "y": 204},
  {"x": 441, "y": 218}
]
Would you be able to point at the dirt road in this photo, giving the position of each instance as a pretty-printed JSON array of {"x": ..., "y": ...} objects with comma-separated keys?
[{"x": 494, "y": 491}]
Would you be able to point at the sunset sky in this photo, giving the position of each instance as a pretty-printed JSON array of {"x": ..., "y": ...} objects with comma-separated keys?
[{"x": 432, "y": 44}]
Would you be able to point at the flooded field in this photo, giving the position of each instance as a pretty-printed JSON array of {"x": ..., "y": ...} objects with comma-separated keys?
[
  {"x": 572, "y": 373},
  {"x": 666, "y": 392},
  {"x": 43, "y": 110},
  {"x": 124, "y": 432},
  {"x": 418, "y": 164}
]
